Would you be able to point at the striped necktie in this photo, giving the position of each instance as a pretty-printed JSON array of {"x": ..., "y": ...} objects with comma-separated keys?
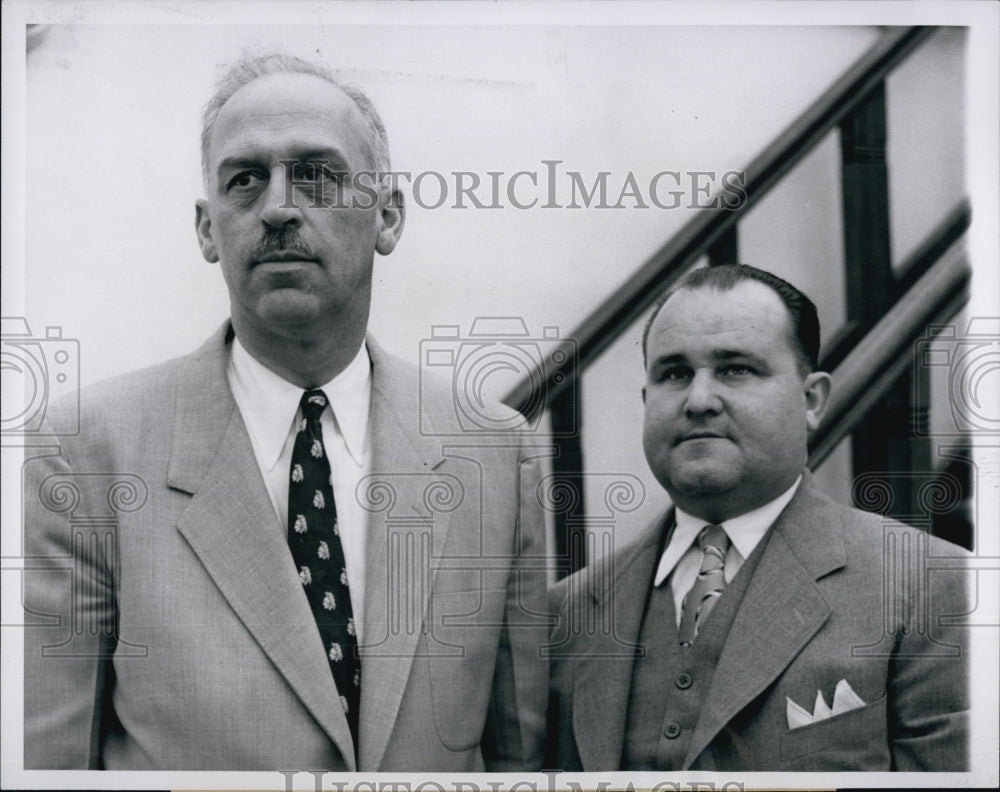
[{"x": 709, "y": 584}]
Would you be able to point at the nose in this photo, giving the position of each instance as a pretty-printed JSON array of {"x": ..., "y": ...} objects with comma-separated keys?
[
  {"x": 702, "y": 395},
  {"x": 280, "y": 207}
]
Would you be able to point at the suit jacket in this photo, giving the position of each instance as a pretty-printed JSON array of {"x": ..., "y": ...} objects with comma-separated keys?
[
  {"x": 167, "y": 627},
  {"x": 837, "y": 594}
]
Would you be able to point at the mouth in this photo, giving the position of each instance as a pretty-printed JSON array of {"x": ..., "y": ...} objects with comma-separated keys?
[
  {"x": 286, "y": 257},
  {"x": 699, "y": 436}
]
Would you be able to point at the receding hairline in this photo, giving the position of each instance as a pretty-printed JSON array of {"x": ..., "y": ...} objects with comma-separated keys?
[
  {"x": 348, "y": 106},
  {"x": 724, "y": 288},
  {"x": 250, "y": 69},
  {"x": 293, "y": 75},
  {"x": 805, "y": 318}
]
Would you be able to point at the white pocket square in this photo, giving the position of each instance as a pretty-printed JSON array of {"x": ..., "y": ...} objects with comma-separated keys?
[{"x": 844, "y": 700}]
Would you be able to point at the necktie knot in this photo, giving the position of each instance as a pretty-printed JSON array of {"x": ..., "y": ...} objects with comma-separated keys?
[
  {"x": 714, "y": 541},
  {"x": 312, "y": 404}
]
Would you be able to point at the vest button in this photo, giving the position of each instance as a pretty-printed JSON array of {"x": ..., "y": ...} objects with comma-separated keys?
[
  {"x": 671, "y": 731},
  {"x": 683, "y": 681}
]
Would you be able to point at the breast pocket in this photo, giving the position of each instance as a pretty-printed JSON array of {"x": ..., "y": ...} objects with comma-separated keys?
[
  {"x": 463, "y": 636},
  {"x": 855, "y": 740}
]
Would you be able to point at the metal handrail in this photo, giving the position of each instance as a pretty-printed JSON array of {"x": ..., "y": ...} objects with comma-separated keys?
[
  {"x": 871, "y": 368},
  {"x": 599, "y": 330},
  {"x": 839, "y": 345}
]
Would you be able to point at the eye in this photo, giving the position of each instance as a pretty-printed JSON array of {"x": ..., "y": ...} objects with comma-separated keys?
[
  {"x": 316, "y": 171},
  {"x": 674, "y": 374},
  {"x": 736, "y": 370},
  {"x": 245, "y": 180}
]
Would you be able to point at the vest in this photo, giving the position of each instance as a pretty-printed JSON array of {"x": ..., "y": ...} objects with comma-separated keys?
[{"x": 670, "y": 683}]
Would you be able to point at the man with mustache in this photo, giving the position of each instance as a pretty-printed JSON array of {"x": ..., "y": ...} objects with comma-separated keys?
[
  {"x": 759, "y": 626},
  {"x": 303, "y": 576}
]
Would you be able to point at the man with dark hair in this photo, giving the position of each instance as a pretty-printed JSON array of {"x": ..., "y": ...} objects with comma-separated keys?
[
  {"x": 276, "y": 561},
  {"x": 802, "y": 312},
  {"x": 758, "y": 626}
]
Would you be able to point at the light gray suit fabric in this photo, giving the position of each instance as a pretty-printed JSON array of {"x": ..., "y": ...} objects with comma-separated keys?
[
  {"x": 837, "y": 594},
  {"x": 167, "y": 625}
]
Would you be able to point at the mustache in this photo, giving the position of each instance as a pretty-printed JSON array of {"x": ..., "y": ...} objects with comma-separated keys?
[{"x": 280, "y": 240}]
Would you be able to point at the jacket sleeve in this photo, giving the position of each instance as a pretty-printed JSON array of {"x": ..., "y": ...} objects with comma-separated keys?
[
  {"x": 928, "y": 685},
  {"x": 515, "y": 727},
  {"x": 70, "y": 616}
]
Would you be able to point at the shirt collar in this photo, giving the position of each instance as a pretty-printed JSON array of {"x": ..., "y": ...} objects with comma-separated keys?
[
  {"x": 271, "y": 402},
  {"x": 350, "y": 396},
  {"x": 744, "y": 531}
]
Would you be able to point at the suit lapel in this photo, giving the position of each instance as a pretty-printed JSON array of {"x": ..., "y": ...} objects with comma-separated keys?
[
  {"x": 780, "y": 612},
  {"x": 603, "y": 676},
  {"x": 404, "y": 539},
  {"x": 231, "y": 526}
]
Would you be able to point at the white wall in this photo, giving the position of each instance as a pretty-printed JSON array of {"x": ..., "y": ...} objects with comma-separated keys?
[{"x": 112, "y": 172}]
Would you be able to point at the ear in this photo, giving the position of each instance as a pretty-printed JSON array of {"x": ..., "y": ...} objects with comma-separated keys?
[
  {"x": 390, "y": 222},
  {"x": 203, "y": 228},
  {"x": 817, "y": 393}
]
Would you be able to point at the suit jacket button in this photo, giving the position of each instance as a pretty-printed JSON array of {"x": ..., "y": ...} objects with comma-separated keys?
[
  {"x": 683, "y": 681},
  {"x": 671, "y": 731}
]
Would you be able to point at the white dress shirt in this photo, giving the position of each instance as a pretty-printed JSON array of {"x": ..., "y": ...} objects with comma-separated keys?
[
  {"x": 682, "y": 556},
  {"x": 270, "y": 409}
]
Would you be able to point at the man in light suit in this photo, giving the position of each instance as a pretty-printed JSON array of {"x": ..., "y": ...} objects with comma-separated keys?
[
  {"x": 170, "y": 623},
  {"x": 758, "y": 626}
]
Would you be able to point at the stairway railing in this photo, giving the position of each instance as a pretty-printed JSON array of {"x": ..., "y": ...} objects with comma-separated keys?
[
  {"x": 868, "y": 354},
  {"x": 872, "y": 367}
]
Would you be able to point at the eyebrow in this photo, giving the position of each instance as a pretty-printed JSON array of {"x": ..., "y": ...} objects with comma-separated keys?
[
  {"x": 723, "y": 355},
  {"x": 332, "y": 157},
  {"x": 719, "y": 355},
  {"x": 232, "y": 163},
  {"x": 326, "y": 156}
]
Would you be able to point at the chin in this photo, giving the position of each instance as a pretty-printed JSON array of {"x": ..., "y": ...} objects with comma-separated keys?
[
  {"x": 702, "y": 480},
  {"x": 289, "y": 307}
]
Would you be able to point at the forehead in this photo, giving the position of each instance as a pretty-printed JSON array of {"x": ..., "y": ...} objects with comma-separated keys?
[
  {"x": 276, "y": 114},
  {"x": 749, "y": 317}
]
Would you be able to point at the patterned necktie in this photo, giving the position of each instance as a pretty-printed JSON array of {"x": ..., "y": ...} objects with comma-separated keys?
[
  {"x": 314, "y": 538},
  {"x": 709, "y": 584}
]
